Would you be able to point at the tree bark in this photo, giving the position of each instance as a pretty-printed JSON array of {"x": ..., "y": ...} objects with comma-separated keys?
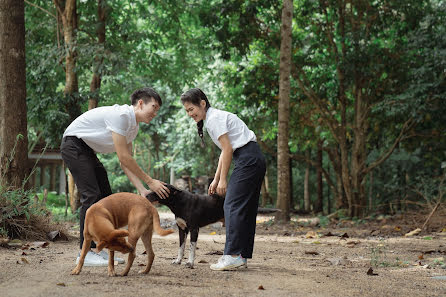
[
  {"x": 318, "y": 207},
  {"x": 68, "y": 13},
  {"x": 13, "y": 122},
  {"x": 95, "y": 84},
  {"x": 307, "y": 202},
  {"x": 283, "y": 158}
]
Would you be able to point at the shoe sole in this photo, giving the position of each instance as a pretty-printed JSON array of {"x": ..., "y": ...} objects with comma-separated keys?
[{"x": 229, "y": 268}]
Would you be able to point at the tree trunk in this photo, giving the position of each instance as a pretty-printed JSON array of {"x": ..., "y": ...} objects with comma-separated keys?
[
  {"x": 283, "y": 157},
  {"x": 318, "y": 207},
  {"x": 307, "y": 201},
  {"x": 95, "y": 84},
  {"x": 13, "y": 122},
  {"x": 68, "y": 13}
]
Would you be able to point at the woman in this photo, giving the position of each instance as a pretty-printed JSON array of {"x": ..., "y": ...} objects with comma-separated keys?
[{"x": 237, "y": 143}]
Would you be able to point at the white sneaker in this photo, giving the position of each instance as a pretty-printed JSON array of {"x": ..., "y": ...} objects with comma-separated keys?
[
  {"x": 228, "y": 262},
  {"x": 104, "y": 255},
  {"x": 93, "y": 259}
]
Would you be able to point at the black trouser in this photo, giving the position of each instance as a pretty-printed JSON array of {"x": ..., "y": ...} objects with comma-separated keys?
[
  {"x": 89, "y": 175},
  {"x": 242, "y": 199}
]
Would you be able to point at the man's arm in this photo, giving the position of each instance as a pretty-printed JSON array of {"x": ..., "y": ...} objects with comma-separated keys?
[
  {"x": 133, "y": 178},
  {"x": 127, "y": 161}
]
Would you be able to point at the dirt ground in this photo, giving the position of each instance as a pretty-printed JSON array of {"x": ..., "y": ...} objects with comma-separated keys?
[{"x": 289, "y": 260}]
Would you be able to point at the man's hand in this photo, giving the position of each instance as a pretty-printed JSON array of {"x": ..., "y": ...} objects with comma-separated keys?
[
  {"x": 159, "y": 188},
  {"x": 144, "y": 193}
]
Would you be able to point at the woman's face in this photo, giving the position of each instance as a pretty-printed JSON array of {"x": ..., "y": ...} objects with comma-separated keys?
[{"x": 197, "y": 112}]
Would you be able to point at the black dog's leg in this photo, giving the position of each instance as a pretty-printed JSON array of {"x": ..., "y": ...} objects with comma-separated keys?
[
  {"x": 193, "y": 246},
  {"x": 183, "y": 236}
]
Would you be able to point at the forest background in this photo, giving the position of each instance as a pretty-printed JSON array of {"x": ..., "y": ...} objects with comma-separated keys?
[{"x": 362, "y": 115}]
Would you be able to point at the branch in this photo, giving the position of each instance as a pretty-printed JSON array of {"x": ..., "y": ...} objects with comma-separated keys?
[
  {"x": 43, "y": 9},
  {"x": 407, "y": 125}
]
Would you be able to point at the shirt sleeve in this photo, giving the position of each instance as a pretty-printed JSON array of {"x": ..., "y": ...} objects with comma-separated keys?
[
  {"x": 118, "y": 122},
  {"x": 218, "y": 126}
]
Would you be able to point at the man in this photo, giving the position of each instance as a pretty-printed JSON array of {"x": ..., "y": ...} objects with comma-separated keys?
[{"x": 108, "y": 129}]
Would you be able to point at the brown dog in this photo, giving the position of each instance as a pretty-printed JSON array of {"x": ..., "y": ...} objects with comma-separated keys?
[{"x": 103, "y": 219}]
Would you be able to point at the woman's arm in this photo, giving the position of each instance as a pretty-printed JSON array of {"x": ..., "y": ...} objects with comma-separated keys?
[{"x": 224, "y": 163}]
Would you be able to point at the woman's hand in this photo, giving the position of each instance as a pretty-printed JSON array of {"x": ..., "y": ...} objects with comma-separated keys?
[
  {"x": 221, "y": 187},
  {"x": 213, "y": 187}
]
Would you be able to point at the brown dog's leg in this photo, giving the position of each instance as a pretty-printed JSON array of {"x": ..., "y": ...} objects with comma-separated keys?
[
  {"x": 111, "y": 263},
  {"x": 85, "y": 248},
  {"x": 132, "y": 255},
  {"x": 147, "y": 240}
]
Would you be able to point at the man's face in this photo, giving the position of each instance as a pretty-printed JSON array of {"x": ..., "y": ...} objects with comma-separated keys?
[{"x": 148, "y": 110}]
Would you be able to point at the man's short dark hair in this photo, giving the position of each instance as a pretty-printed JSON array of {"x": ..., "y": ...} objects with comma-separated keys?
[{"x": 146, "y": 94}]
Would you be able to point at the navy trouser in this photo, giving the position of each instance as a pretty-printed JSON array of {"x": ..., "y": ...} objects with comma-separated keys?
[
  {"x": 242, "y": 199},
  {"x": 89, "y": 176}
]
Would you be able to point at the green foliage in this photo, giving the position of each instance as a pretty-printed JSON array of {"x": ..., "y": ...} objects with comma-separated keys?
[{"x": 230, "y": 49}]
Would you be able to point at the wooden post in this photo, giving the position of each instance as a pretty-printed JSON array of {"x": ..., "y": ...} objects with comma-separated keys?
[
  {"x": 62, "y": 180},
  {"x": 53, "y": 177}
]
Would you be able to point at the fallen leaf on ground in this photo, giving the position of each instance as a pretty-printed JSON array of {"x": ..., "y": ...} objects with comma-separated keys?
[
  {"x": 15, "y": 243},
  {"x": 24, "y": 260},
  {"x": 41, "y": 244},
  {"x": 311, "y": 234},
  {"x": 352, "y": 243},
  {"x": 57, "y": 235},
  {"x": 261, "y": 287},
  {"x": 413, "y": 232},
  {"x": 311, "y": 253},
  {"x": 61, "y": 284},
  {"x": 421, "y": 257},
  {"x": 213, "y": 233},
  {"x": 370, "y": 272}
]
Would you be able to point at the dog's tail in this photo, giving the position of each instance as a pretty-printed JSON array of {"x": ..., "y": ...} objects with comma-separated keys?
[{"x": 156, "y": 223}]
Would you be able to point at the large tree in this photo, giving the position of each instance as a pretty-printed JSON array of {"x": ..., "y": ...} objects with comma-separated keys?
[
  {"x": 283, "y": 158},
  {"x": 13, "y": 149}
]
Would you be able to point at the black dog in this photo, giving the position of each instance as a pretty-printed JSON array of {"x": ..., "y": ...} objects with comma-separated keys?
[{"x": 192, "y": 211}]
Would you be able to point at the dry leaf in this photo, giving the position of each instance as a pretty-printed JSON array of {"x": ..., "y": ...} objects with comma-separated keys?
[
  {"x": 413, "y": 232},
  {"x": 24, "y": 260},
  {"x": 311, "y": 234},
  {"x": 261, "y": 287},
  {"x": 41, "y": 244},
  {"x": 370, "y": 272},
  {"x": 213, "y": 233},
  {"x": 311, "y": 253},
  {"x": 61, "y": 284},
  {"x": 421, "y": 257}
]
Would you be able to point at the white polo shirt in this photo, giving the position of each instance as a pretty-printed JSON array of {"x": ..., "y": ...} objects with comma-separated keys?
[
  {"x": 219, "y": 122},
  {"x": 96, "y": 125}
]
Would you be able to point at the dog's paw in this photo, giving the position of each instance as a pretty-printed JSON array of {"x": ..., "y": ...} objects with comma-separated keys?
[
  {"x": 111, "y": 273},
  {"x": 176, "y": 262},
  {"x": 189, "y": 265},
  {"x": 75, "y": 271}
]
